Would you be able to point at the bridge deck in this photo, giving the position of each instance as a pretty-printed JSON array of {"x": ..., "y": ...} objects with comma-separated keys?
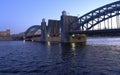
[{"x": 113, "y": 31}]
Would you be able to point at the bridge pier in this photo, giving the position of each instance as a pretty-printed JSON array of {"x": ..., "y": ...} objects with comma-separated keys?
[
  {"x": 43, "y": 31},
  {"x": 66, "y": 27}
]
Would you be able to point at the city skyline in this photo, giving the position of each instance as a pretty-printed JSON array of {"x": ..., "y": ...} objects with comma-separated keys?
[{"x": 18, "y": 16}]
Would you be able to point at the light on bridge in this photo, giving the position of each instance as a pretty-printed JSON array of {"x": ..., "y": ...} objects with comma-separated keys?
[
  {"x": 48, "y": 35},
  {"x": 32, "y": 40},
  {"x": 73, "y": 35}
]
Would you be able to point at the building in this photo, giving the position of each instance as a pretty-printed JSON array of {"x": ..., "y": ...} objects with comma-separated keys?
[{"x": 5, "y": 33}]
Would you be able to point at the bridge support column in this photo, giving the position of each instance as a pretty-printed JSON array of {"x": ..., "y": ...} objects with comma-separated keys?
[
  {"x": 43, "y": 31},
  {"x": 64, "y": 28}
]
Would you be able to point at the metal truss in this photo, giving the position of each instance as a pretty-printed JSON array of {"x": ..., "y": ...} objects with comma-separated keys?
[
  {"x": 93, "y": 18},
  {"x": 30, "y": 31}
]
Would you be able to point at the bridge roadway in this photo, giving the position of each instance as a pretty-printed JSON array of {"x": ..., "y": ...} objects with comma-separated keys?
[
  {"x": 92, "y": 32},
  {"x": 33, "y": 36}
]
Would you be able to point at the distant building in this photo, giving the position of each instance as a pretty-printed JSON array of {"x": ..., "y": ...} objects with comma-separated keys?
[{"x": 5, "y": 33}]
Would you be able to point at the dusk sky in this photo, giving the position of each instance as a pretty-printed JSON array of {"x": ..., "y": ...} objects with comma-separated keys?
[{"x": 19, "y": 15}]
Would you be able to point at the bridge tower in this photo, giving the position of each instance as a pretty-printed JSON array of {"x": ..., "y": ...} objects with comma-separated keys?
[
  {"x": 43, "y": 31},
  {"x": 66, "y": 27}
]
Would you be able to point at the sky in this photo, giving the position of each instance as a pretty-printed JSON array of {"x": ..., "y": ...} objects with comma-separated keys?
[{"x": 19, "y": 15}]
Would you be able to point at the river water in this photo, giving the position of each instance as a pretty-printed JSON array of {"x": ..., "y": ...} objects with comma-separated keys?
[{"x": 101, "y": 56}]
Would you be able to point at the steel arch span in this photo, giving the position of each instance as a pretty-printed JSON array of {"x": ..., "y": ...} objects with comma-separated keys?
[
  {"x": 94, "y": 17},
  {"x": 31, "y": 30}
]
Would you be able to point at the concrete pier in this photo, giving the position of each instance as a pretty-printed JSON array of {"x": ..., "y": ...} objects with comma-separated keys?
[
  {"x": 43, "y": 31},
  {"x": 66, "y": 27}
]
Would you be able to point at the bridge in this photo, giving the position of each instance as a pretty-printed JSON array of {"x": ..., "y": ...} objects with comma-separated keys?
[
  {"x": 103, "y": 20},
  {"x": 100, "y": 20}
]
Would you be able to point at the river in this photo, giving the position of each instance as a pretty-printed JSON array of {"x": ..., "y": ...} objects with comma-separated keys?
[{"x": 100, "y": 56}]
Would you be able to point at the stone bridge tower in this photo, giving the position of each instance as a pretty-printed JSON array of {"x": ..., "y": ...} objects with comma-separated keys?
[
  {"x": 43, "y": 31},
  {"x": 66, "y": 27}
]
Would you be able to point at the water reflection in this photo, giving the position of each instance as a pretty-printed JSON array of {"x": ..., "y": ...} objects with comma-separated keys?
[
  {"x": 48, "y": 43},
  {"x": 69, "y": 59},
  {"x": 68, "y": 49},
  {"x": 72, "y": 55},
  {"x": 73, "y": 45},
  {"x": 72, "y": 50}
]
